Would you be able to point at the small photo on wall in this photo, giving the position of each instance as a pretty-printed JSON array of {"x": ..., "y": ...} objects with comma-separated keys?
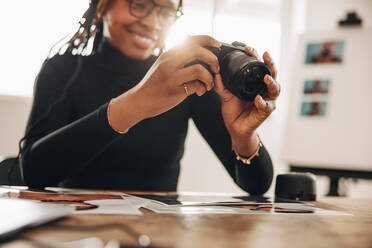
[
  {"x": 315, "y": 108},
  {"x": 327, "y": 52},
  {"x": 316, "y": 86}
]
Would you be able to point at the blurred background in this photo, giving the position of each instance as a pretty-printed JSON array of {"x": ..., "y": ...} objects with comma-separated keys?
[{"x": 282, "y": 27}]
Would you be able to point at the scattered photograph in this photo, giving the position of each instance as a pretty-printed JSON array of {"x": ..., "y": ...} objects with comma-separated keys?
[
  {"x": 327, "y": 52},
  {"x": 316, "y": 86},
  {"x": 315, "y": 108}
]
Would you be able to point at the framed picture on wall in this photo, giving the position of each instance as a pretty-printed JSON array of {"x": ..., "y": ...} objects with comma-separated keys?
[
  {"x": 316, "y": 86},
  {"x": 314, "y": 108},
  {"x": 325, "y": 52}
]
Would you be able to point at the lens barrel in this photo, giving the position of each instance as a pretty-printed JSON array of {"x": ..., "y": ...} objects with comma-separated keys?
[{"x": 243, "y": 74}]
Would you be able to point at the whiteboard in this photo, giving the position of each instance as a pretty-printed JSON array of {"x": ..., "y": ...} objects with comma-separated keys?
[{"x": 339, "y": 136}]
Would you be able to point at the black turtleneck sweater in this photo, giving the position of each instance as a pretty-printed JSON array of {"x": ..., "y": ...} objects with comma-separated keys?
[{"x": 74, "y": 146}]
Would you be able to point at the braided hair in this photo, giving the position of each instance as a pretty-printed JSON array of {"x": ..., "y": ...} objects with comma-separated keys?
[{"x": 90, "y": 30}]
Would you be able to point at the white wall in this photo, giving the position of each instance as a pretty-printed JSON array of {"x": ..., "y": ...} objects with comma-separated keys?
[
  {"x": 14, "y": 111},
  {"x": 324, "y": 15},
  {"x": 29, "y": 29}
]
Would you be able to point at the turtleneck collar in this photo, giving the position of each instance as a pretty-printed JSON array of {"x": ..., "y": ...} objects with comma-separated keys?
[{"x": 112, "y": 59}]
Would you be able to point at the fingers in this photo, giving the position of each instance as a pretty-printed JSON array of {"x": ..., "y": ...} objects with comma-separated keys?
[
  {"x": 202, "y": 40},
  {"x": 267, "y": 60},
  {"x": 225, "y": 94},
  {"x": 265, "y": 108},
  {"x": 270, "y": 63},
  {"x": 197, "y": 40},
  {"x": 195, "y": 87},
  {"x": 251, "y": 51},
  {"x": 196, "y": 73},
  {"x": 273, "y": 88},
  {"x": 198, "y": 53}
]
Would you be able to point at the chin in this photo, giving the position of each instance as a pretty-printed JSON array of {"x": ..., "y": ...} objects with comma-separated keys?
[
  {"x": 137, "y": 54},
  {"x": 142, "y": 56}
]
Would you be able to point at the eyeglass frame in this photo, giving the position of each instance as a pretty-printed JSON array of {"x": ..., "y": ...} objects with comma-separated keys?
[{"x": 178, "y": 11}]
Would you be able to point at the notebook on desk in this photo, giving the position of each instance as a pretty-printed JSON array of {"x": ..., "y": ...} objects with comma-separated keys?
[{"x": 17, "y": 215}]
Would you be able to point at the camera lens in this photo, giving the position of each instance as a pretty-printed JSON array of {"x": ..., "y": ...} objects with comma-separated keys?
[{"x": 243, "y": 74}]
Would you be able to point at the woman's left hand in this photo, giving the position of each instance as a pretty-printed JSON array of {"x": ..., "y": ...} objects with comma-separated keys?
[{"x": 243, "y": 118}]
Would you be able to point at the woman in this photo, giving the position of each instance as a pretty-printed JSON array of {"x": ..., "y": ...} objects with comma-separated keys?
[{"x": 117, "y": 119}]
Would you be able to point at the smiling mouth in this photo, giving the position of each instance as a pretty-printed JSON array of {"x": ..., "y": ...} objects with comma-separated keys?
[
  {"x": 143, "y": 42},
  {"x": 144, "y": 39}
]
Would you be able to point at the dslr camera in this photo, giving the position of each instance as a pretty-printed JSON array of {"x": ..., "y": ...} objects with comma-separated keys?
[{"x": 241, "y": 73}]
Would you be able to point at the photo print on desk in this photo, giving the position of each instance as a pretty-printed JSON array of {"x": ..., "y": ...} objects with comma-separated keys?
[{"x": 326, "y": 52}]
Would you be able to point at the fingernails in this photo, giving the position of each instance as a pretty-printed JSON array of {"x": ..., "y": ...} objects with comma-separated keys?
[
  {"x": 218, "y": 44},
  {"x": 267, "y": 55},
  {"x": 262, "y": 100},
  {"x": 266, "y": 78},
  {"x": 269, "y": 78}
]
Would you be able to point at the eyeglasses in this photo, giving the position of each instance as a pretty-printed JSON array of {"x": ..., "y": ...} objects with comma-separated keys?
[{"x": 166, "y": 14}]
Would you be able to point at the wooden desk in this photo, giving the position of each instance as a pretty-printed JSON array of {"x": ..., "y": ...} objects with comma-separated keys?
[{"x": 219, "y": 230}]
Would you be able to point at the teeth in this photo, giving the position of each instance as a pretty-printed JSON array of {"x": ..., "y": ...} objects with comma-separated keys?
[{"x": 144, "y": 39}]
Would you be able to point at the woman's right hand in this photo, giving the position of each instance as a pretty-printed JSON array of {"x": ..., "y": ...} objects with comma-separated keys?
[{"x": 163, "y": 88}]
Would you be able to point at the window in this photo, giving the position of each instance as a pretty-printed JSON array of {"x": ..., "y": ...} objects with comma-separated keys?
[
  {"x": 29, "y": 29},
  {"x": 254, "y": 22},
  {"x": 32, "y": 27}
]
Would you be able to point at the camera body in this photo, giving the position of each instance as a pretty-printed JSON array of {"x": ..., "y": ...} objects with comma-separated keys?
[{"x": 241, "y": 73}]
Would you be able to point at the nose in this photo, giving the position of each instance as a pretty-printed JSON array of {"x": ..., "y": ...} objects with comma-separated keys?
[{"x": 152, "y": 20}]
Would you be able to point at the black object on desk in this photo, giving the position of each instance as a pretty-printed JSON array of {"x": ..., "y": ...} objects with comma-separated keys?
[{"x": 296, "y": 186}]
